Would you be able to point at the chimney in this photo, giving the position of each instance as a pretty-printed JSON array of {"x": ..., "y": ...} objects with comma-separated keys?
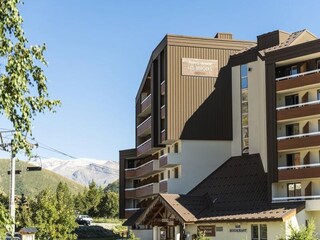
[
  {"x": 271, "y": 39},
  {"x": 223, "y": 35}
]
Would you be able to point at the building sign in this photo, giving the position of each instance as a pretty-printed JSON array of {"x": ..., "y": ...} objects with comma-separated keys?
[
  {"x": 199, "y": 67},
  {"x": 238, "y": 230},
  {"x": 209, "y": 231}
]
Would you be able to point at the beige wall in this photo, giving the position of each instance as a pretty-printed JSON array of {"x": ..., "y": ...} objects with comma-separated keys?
[{"x": 256, "y": 110}]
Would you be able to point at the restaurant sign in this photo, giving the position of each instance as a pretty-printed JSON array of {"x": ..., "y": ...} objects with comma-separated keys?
[
  {"x": 209, "y": 230},
  {"x": 199, "y": 67}
]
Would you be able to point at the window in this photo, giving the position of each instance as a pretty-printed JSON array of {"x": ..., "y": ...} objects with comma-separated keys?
[
  {"x": 294, "y": 70},
  {"x": 168, "y": 149},
  {"x": 259, "y": 232},
  {"x": 161, "y": 176},
  {"x": 244, "y": 108},
  {"x": 176, "y": 147},
  {"x": 318, "y": 94},
  {"x": 292, "y": 129},
  {"x": 254, "y": 232},
  {"x": 292, "y": 99},
  {"x": 168, "y": 173},
  {"x": 263, "y": 232},
  {"x": 318, "y": 64},
  {"x": 161, "y": 152},
  {"x": 176, "y": 172},
  {"x": 294, "y": 189},
  {"x": 293, "y": 159}
]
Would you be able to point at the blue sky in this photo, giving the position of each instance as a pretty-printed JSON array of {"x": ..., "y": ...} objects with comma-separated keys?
[{"x": 98, "y": 50}]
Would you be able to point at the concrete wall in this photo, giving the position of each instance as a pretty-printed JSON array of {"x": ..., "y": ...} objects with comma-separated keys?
[
  {"x": 143, "y": 233},
  {"x": 199, "y": 159},
  {"x": 256, "y": 111},
  {"x": 274, "y": 229}
]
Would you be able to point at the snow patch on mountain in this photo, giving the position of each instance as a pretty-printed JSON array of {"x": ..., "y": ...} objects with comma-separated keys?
[{"x": 84, "y": 170}]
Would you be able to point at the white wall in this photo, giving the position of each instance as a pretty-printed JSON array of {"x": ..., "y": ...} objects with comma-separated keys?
[
  {"x": 198, "y": 160},
  {"x": 256, "y": 110},
  {"x": 143, "y": 233}
]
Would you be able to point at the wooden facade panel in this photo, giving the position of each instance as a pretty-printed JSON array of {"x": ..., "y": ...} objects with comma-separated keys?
[
  {"x": 144, "y": 127},
  {"x": 301, "y": 173},
  {"x": 163, "y": 161},
  {"x": 298, "y": 112},
  {"x": 298, "y": 82},
  {"x": 186, "y": 93},
  {"x": 296, "y": 143},
  {"x": 163, "y": 187}
]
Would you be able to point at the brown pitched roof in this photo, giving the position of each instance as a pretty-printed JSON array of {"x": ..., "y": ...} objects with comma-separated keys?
[{"x": 236, "y": 191}]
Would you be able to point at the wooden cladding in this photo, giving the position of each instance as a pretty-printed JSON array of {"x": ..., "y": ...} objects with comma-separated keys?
[
  {"x": 163, "y": 161},
  {"x": 290, "y": 174},
  {"x": 298, "y": 112},
  {"x": 297, "y": 82},
  {"x": 146, "y": 103},
  {"x": 186, "y": 93},
  {"x": 144, "y": 147},
  {"x": 129, "y": 212},
  {"x": 296, "y": 143}
]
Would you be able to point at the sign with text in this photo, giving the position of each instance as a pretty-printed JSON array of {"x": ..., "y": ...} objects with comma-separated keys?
[
  {"x": 209, "y": 230},
  {"x": 199, "y": 67}
]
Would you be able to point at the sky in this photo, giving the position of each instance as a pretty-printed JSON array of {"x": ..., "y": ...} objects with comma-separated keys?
[{"x": 98, "y": 51}]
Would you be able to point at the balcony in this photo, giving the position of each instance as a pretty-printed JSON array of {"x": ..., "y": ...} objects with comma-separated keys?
[
  {"x": 144, "y": 128},
  {"x": 299, "y": 171},
  {"x": 298, "y": 110},
  {"x": 295, "y": 199},
  {"x": 144, "y": 170},
  {"x": 294, "y": 142},
  {"x": 128, "y": 212},
  {"x": 144, "y": 147},
  {"x": 298, "y": 80},
  {"x": 163, "y": 186},
  {"x": 145, "y": 107},
  {"x": 163, "y": 135},
  {"x": 163, "y": 112},
  {"x": 163, "y": 87},
  {"x": 143, "y": 191},
  {"x": 170, "y": 160}
]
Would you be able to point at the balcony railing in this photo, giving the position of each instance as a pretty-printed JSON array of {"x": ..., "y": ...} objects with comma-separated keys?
[
  {"x": 298, "y": 110},
  {"x": 163, "y": 87},
  {"x": 143, "y": 191},
  {"x": 299, "y": 135},
  {"x": 299, "y": 171},
  {"x": 299, "y": 166},
  {"x": 142, "y": 170},
  {"x": 295, "y": 198},
  {"x": 169, "y": 160},
  {"x": 297, "y": 75},
  {"x": 145, "y": 103},
  {"x": 305, "y": 140},
  {"x": 145, "y": 125},
  {"x": 163, "y": 111},
  {"x": 163, "y": 135},
  {"x": 298, "y": 105},
  {"x": 144, "y": 147}
]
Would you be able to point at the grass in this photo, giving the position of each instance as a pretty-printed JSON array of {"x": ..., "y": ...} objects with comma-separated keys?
[
  {"x": 108, "y": 220},
  {"x": 31, "y": 183}
]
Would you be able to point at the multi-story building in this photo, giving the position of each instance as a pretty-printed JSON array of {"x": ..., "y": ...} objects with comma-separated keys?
[
  {"x": 235, "y": 153},
  {"x": 182, "y": 75}
]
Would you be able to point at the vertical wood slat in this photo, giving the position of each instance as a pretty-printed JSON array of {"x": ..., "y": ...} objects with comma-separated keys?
[{"x": 186, "y": 93}]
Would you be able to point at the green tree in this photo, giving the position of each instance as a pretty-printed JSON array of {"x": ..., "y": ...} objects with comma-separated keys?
[
  {"x": 53, "y": 214},
  {"x": 23, "y": 84},
  {"x": 93, "y": 198},
  {"x": 109, "y": 205},
  {"x": 5, "y": 222},
  {"x": 112, "y": 187},
  {"x": 303, "y": 233}
]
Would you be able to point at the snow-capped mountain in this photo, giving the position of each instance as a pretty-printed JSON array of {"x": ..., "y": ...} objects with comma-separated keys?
[{"x": 84, "y": 170}]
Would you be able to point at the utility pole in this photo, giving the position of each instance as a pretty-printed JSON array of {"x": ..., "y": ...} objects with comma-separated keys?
[{"x": 12, "y": 205}]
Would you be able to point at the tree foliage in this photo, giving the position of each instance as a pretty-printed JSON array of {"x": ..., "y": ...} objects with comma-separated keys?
[
  {"x": 304, "y": 233},
  {"x": 23, "y": 89},
  {"x": 109, "y": 205},
  {"x": 5, "y": 222}
]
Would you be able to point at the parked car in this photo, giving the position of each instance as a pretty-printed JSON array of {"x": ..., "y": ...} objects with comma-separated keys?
[{"x": 84, "y": 220}]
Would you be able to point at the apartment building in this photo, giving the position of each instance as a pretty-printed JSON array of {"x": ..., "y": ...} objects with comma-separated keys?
[
  {"x": 241, "y": 163},
  {"x": 182, "y": 75}
]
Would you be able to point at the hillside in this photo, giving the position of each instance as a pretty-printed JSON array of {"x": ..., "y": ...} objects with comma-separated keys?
[{"x": 30, "y": 183}]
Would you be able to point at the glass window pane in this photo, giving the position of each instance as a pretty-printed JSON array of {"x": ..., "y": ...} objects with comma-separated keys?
[
  {"x": 244, "y": 70},
  {"x": 254, "y": 232},
  {"x": 263, "y": 232},
  {"x": 244, "y": 120},
  {"x": 244, "y": 83},
  {"x": 245, "y": 95},
  {"x": 245, "y": 107}
]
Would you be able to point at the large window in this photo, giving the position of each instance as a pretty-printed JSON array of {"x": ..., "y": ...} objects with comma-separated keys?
[
  {"x": 293, "y": 159},
  {"x": 292, "y": 99},
  {"x": 259, "y": 232},
  {"x": 244, "y": 108},
  {"x": 292, "y": 129},
  {"x": 294, "y": 189}
]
